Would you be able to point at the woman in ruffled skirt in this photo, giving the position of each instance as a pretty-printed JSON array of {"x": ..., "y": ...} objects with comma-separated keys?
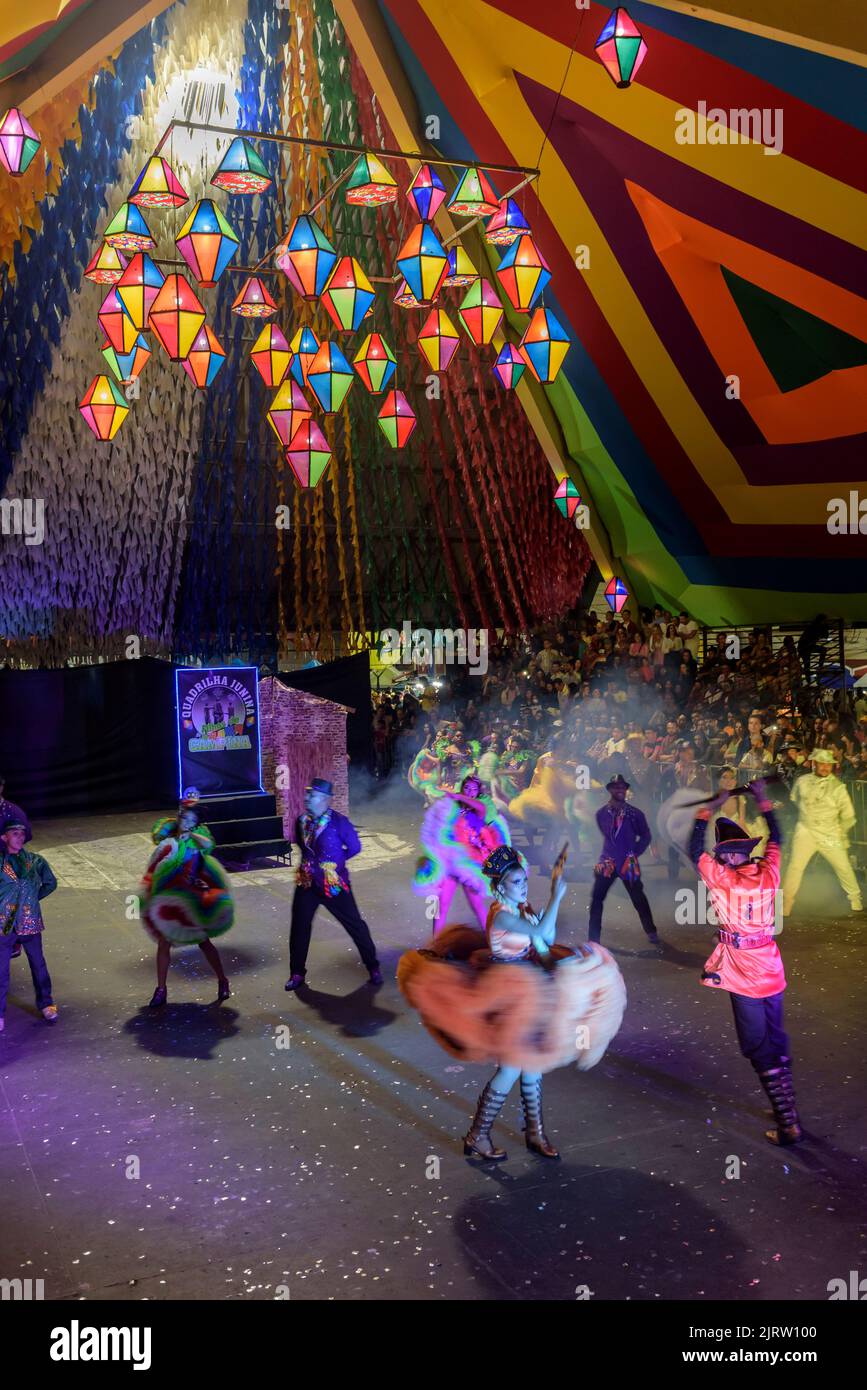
[{"x": 514, "y": 997}]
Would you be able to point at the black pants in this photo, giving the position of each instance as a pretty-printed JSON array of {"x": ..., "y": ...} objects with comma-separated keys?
[
  {"x": 759, "y": 1023},
  {"x": 601, "y": 888},
  {"x": 32, "y": 944},
  {"x": 344, "y": 908}
]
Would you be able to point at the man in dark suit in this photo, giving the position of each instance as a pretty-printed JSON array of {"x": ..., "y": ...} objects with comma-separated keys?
[
  {"x": 326, "y": 839},
  {"x": 625, "y": 835}
]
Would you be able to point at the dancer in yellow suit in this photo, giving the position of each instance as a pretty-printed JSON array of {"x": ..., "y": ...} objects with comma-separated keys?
[{"x": 825, "y": 817}]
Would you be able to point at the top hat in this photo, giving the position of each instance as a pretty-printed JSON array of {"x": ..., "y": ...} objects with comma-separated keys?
[
  {"x": 618, "y": 781},
  {"x": 729, "y": 835},
  {"x": 319, "y": 784},
  {"x": 500, "y": 861}
]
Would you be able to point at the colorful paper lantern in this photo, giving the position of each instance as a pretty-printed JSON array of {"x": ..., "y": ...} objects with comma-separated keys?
[
  {"x": 205, "y": 357},
  {"x": 138, "y": 287},
  {"x": 128, "y": 230},
  {"x": 348, "y": 294},
  {"x": 271, "y": 356},
  {"x": 616, "y": 594},
  {"x": 18, "y": 142},
  {"x": 241, "y": 169},
  {"x": 308, "y": 454},
  {"x": 509, "y": 367},
  {"x": 104, "y": 407},
  {"x": 481, "y": 311},
  {"x": 207, "y": 243},
  {"x": 304, "y": 347},
  {"x": 405, "y": 297},
  {"x": 116, "y": 323},
  {"x": 423, "y": 263},
  {"x": 523, "y": 273},
  {"x": 176, "y": 316},
  {"x": 396, "y": 419},
  {"x": 567, "y": 498},
  {"x": 253, "y": 300},
  {"x": 126, "y": 366},
  {"x": 461, "y": 270},
  {"x": 474, "y": 196},
  {"x": 306, "y": 257},
  {"x": 157, "y": 186},
  {"x": 507, "y": 224},
  {"x": 370, "y": 184},
  {"x": 329, "y": 377},
  {"x": 620, "y": 47},
  {"x": 544, "y": 345},
  {"x": 427, "y": 193},
  {"x": 289, "y": 410},
  {"x": 105, "y": 266},
  {"x": 438, "y": 340},
  {"x": 375, "y": 363}
]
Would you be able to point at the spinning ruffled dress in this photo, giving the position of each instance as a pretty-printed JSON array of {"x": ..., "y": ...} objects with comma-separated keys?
[
  {"x": 457, "y": 841},
  {"x": 185, "y": 891},
  {"x": 484, "y": 1006}
]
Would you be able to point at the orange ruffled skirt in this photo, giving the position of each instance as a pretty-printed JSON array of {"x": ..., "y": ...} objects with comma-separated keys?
[{"x": 514, "y": 1013}]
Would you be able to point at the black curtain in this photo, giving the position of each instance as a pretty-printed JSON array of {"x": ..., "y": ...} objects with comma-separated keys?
[
  {"x": 346, "y": 681},
  {"x": 89, "y": 738}
]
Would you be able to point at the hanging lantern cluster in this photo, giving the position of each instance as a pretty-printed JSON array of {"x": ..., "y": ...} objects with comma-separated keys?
[{"x": 140, "y": 298}]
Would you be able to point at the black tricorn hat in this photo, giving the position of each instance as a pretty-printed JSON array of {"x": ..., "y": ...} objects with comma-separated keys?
[
  {"x": 500, "y": 861},
  {"x": 729, "y": 835},
  {"x": 618, "y": 781}
]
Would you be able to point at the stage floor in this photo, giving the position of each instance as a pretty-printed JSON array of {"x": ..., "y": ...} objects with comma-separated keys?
[{"x": 193, "y": 1154}]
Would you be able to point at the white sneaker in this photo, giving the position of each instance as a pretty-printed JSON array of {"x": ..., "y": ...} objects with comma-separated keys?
[{"x": 50, "y": 1013}]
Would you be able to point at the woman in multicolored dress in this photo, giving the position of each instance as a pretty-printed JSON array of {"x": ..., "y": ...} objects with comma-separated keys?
[
  {"x": 458, "y": 833},
  {"x": 186, "y": 899}
]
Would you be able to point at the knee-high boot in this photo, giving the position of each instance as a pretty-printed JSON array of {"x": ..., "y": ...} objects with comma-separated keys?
[
  {"x": 534, "y": 1128},
  {"x": 477, "y": 1140},
  {"x": 777, "y": 1082}
]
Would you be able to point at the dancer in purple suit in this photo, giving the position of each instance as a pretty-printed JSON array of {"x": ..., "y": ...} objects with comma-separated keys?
[
  {"x": 625, "y": 836},
  {"x": 326, "y": 839}
]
